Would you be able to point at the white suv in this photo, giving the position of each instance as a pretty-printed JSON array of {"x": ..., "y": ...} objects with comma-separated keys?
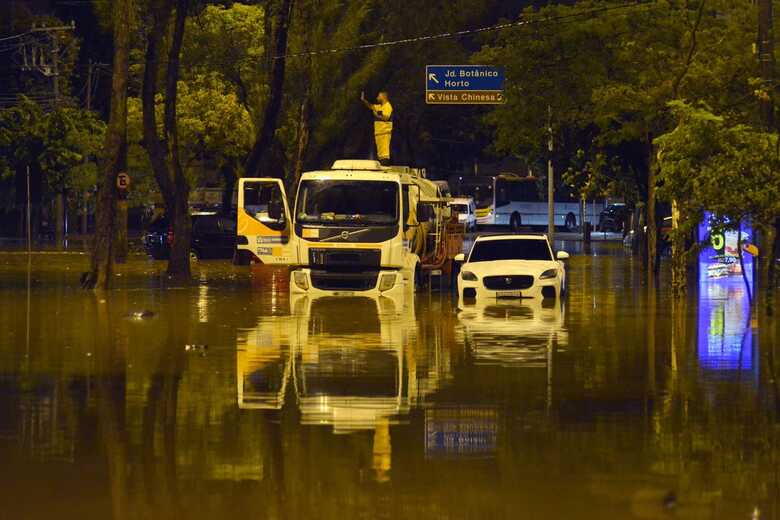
[{"x": 512, "y": 266}]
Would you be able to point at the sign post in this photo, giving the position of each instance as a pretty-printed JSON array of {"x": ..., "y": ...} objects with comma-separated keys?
[
  {"x": 464, "y": 85},
  {"x": 120, "y": 247}
]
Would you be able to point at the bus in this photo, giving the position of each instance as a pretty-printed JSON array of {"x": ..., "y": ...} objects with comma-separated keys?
[{"x": 511, "y": 200}]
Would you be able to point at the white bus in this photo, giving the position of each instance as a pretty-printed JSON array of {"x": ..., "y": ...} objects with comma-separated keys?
[{"x": 510, "y": 200}]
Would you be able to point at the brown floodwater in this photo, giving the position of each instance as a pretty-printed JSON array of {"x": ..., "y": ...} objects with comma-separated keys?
[{"x": 229, "y": 399}]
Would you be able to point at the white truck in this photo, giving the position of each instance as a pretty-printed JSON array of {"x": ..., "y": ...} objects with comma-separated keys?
[{"x": 357, "y": 228}]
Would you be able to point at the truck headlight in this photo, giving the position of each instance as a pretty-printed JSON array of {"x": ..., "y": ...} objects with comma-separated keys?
[
  {"x": 299, "y": 277},
  {"x": 386, "y": 282},
  {"x": 550, "y": 273},
  {"x": 468, "y": 276}
]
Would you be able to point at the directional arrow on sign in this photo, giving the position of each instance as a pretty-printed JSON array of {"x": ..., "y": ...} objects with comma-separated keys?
[
  {"x": 432, "y": 77},
  {"x": 431, "y": 96}
]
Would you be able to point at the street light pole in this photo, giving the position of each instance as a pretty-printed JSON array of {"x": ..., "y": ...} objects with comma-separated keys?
[{"x": 550, "y": 180}]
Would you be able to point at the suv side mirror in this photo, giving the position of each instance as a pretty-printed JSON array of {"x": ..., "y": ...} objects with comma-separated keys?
[
  {"x": 275, "y": 210},
  {"x": 424, "y": 212},
  {"x": 460, "y": 258},
  {"x": 562, "y": 255}
]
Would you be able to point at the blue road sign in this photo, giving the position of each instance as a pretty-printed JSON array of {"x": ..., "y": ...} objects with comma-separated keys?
[
  {"x": 464, "y": 77},
  {"x": 464, "y": 85}
]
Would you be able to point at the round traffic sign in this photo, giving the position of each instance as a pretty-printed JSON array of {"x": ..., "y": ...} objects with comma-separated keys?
[{"x": 123, "y": 181}]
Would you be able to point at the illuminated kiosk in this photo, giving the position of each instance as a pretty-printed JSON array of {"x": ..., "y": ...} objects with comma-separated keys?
[{"x": 725, "y": 336}]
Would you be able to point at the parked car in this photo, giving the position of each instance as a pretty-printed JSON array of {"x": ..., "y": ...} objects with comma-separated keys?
[
  {"x": 511, "y": 266},
  {"x": 613, "y": 218},
  {"x": 213, "y": 236},
  {"x": 466, "y": 211}
]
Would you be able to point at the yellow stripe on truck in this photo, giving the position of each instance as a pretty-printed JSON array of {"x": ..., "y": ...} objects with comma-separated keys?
[{"x": 483, "y": 212}]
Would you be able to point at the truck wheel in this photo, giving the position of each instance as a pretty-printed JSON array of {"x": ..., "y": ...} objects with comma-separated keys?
[
  {"x": 571, "y": 222},
  {"x": 515, "y": 222}
]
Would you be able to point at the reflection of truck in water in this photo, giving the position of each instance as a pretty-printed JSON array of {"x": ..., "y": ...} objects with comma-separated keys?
[
  {"x": 342, "y": 357},
  {"x": 358, "y": 228}
]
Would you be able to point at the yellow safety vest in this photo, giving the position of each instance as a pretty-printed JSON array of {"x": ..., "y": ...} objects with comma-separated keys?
[{"x": 383, "y": 118}]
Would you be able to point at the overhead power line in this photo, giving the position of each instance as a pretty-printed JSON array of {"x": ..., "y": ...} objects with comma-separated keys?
[{"x": 465, "y": 32}]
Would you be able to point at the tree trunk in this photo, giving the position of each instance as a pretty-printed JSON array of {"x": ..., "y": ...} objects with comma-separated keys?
[
  {"x": 164, "y": 156},
  {"x": 115, "y": 155},
  {"x": 679, "y": 256},
  {"x": 652, "y": 230},
  {"x": 85, "y": 213},
  {"x": 120, "y": 236},
  {"x": 303, "y": 139},
  {"x": 265, "y": 137},
  {"x": 229, "y": 178},
  {"x": 59, "y": 220}
]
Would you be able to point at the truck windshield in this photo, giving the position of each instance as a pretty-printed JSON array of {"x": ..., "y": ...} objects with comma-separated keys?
[
  {"x": 513, "y": 249},
  {"x": 347, "y": 202}
]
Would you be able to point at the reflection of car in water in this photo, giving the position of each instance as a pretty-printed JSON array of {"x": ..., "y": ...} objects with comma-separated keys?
[{"x": 513, "y": 333}]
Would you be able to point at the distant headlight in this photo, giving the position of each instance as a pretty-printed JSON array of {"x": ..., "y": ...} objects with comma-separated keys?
[
  {"x": 550, "y": 273},
  {"x": 386, "y": 282},
  {"x": 300, "y": 280},
  {"x": 468, "y": 276}
]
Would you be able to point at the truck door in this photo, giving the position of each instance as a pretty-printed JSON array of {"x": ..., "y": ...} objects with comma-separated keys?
[{"x": 264, "y": 221}]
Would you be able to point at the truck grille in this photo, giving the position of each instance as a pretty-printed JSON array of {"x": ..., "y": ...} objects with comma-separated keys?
[
  {"x": 348, "y": 259},
  {"x": 344, "y": 281},
  {"x": 503, "y": 283}
]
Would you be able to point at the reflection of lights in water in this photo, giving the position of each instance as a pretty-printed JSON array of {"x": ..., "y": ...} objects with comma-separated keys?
[
  {"x": 461, "y": 431},
  {"x": 725, "y": 337},
  {"x": 203, "y": 300}
]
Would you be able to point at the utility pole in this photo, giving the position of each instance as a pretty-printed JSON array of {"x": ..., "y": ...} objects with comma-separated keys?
[
  {"x": 550, "y": 180},
  {"x": 85, "y": 195},
  {"x": 766, "y": 58},
  {"x": 59, "y": 197}
]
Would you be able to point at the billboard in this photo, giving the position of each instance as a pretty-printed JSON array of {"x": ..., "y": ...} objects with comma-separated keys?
[
  {"x": 719, "y": 259},
  {"x": 725, "y": 336}
]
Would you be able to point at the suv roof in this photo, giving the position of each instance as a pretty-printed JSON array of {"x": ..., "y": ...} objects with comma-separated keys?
[{"x": 484, "y": 238}]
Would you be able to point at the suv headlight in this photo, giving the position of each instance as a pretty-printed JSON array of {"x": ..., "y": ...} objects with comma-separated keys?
[
  {"x": 386, "y": 282},
  {"x": 468, "y": 276},
  {"x": 550, "y": 273},
  {"x": 299, "y": 277}
]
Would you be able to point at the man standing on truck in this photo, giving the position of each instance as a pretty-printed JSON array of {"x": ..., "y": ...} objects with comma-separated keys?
[{"x": 383, "y": 124}]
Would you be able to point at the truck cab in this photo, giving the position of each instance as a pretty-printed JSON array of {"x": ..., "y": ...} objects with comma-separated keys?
[{"x": 358, "y": 228}]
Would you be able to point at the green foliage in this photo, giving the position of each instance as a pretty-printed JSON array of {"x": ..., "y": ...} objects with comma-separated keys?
[
  {"x": 229, "y": 43},
  {"x": 609, "y": 77},
  {"x": 729, "y": 169},
  {"x": 215, "y": 130},
  {"x": 63, "y": 144}
]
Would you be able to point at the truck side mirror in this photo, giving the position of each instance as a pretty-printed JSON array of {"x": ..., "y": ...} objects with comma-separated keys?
[
  {"x": 275, "y": 210},
  {"x": 424, "y": 212}
]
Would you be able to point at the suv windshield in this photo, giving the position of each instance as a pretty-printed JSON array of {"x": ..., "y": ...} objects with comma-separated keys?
[
  {"x": 514, "y": 249},
  {"x": 345, "y": 202}
]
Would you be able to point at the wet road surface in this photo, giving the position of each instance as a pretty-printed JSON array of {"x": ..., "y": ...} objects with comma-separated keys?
[{"x": 230, "y": 399}]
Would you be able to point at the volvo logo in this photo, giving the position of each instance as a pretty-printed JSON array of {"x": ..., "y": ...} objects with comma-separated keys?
[{"x": 344, "y": 235}]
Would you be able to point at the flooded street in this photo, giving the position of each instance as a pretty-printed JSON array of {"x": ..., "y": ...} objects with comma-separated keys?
[{"x": 229, "y": 398}]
